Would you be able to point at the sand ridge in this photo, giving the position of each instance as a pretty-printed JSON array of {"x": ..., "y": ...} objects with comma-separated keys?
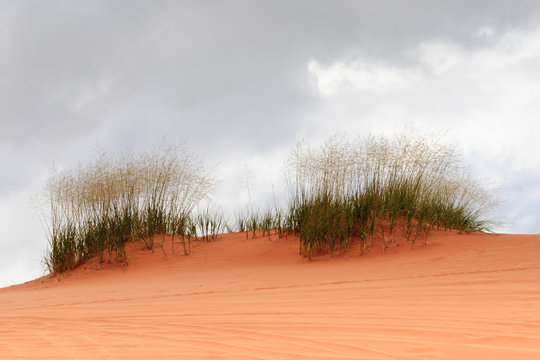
[{"x": 458, "y": 297}]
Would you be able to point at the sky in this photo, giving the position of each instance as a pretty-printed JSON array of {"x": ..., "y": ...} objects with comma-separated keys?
[{"x": 241, "y": 82}]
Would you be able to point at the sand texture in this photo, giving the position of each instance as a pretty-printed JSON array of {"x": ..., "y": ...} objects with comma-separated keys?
[{"x": 458, "y": 297}]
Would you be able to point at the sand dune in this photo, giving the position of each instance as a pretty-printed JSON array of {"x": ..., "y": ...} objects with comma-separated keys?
[{"x": 458, "y": 297}]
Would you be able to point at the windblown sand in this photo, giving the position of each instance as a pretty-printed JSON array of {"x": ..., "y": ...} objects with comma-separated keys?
[{"x": 458, "y": 297}]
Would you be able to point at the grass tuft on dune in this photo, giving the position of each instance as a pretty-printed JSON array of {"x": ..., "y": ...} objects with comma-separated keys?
[
  {"x": 95, "y": 209},
  {"x": 360, "y": 188},
  {"x": 341, "y": 192}
]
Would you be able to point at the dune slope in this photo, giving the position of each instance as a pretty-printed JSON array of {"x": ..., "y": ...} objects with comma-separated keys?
[{"x": 458, "y": 297}]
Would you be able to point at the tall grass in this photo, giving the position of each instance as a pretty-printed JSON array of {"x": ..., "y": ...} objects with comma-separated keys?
[
  {"x": 95, "y": 209},
  {"x": 366, "y": 188}
]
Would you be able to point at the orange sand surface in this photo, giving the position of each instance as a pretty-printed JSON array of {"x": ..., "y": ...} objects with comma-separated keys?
[{"x": 458, "y": 297}]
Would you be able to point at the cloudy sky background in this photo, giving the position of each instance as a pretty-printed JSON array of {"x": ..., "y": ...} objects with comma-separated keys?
[{"x": 240, "y": 82}]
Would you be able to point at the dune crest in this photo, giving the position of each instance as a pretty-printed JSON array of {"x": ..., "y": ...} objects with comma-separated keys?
[{"x": 458, "y": 297}]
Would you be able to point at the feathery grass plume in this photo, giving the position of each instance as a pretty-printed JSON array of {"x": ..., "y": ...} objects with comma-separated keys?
[
  {"x": 366, "y": 187},
  {"x": 95, "y": 209}
]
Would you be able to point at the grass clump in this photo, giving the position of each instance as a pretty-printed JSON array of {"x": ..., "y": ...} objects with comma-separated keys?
[
  {"x": 95, "y": 209},
  {"x": 263, "y": 221},
  {"x": 209, "y": 223},
  {"x": 367, "y": 188}
]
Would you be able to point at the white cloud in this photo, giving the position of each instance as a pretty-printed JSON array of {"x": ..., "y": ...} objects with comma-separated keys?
[
  {"x": 438, "y": 57},
  {"x": 487, "y": 97},
  {"x": 349, "y": 76}
]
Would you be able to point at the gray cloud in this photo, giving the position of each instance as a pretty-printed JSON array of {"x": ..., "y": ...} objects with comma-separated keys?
[{"x": 203, "y": 67}]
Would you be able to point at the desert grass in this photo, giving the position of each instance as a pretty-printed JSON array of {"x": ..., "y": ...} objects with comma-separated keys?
[
  {"x": 262, "y": 222},
  {"x": 95, "y": 209},
  {"x": 364, "y": 188},
  {"x": 343, "y": 191},
  {"x": 209, "y": 222}
]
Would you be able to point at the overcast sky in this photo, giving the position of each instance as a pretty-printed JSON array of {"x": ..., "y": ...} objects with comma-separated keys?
[{"x": 240, "y": 82}]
